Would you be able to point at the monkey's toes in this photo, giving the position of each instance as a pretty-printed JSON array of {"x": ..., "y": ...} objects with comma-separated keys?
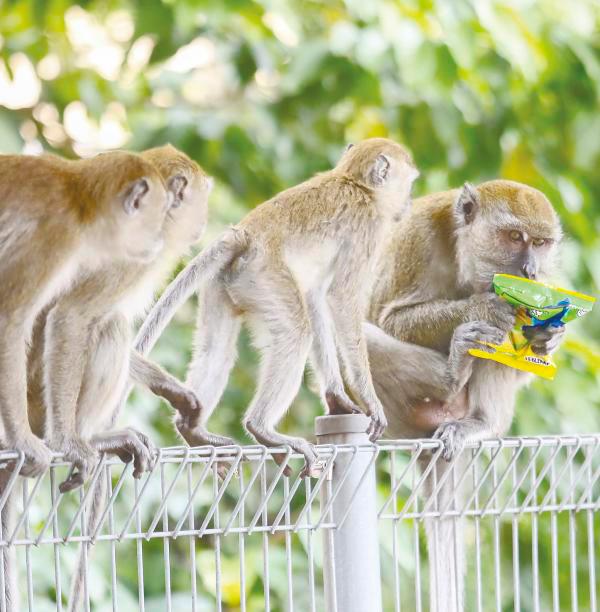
[
  {"x": 340, "y": 403},
  {"x": 450, "y": 437},
  {"x": 377, "y": 426}
]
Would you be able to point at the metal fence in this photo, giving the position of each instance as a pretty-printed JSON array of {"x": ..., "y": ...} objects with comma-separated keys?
[{"x": 225, "y": 529}]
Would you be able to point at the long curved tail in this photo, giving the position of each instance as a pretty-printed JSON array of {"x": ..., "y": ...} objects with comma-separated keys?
[
  {"x": 445, "y": 537},
  {"x": 10, "y": 585},
  {"x": 78, "y": 585},
  {"x": 205, "y": 265}
]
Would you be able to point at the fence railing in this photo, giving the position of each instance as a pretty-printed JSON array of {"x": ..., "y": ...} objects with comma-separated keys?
[{"x": 225, "y": 528}]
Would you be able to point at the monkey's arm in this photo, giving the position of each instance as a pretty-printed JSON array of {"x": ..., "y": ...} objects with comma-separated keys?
[
  {"x": 431, "y": 323},
  {"x": 163, "y": 384},
  {"x": 65, "y": 357}
]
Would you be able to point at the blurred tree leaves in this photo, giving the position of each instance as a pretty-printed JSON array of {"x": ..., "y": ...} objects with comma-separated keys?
[{"x": 264, "y": 93}]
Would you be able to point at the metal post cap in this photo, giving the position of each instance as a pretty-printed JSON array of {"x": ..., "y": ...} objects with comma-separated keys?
[{"x": 341, "y": 424}]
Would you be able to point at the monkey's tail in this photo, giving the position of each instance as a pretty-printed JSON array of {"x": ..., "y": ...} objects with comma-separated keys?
[
  {"x": 77, "y": 594},
  {"x": 9, "y": 553},
  {"x": 445, "y": 539},
  {"x": 206, "y": 264}
]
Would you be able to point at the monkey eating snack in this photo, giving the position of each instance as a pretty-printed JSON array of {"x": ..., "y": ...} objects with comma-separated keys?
[{"x": 538, "y": 306}]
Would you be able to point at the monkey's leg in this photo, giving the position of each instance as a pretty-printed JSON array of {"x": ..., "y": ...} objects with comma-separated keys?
[
  {"x": 282, "y": 333},
  {"x": 106, "y": 371},
  {"x": 163, "y": 384},
  {"x": 217, "y": 330},
  {"x": 13, "y": 401},
  {"x": 353, "y": 348},
  {"x": 324, "y": 356},
  {"x": 66, "y": 353},
  {"x": 491, "y": 401}
]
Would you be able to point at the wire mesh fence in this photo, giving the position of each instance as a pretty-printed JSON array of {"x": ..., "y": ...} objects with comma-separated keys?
[{"x": 225, "y": 529}]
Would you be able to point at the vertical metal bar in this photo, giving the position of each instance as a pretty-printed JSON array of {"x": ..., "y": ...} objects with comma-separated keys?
[
  {"x": 113, "y": 551},
  {"x": 393, "y": 476},
  {"x": 166, "y": 546},
  {"x": 496, "y": 524},
  {"x": 241, "y": 542},
  {"x": 515, "y": 540},
  {"x": 573, "y": 547},
  {"x": 28, "y": 548},
  {"x": 356, "y": 568},
  {"x": 265, "y": 540},
  {"x": 139, "y": 551},
  {"x": 193, "y": 569},
  {"x": 417, "y": 550},
  {"x": 217, "y": 524},
  {"x": 554, "y": 546},
  {"x": 590, "y": 539},
  {"x": 288, "y": 546},
  {"x": 478, "y": 590},
  {"x": 84, "y": 550},
  {"x": 309, "y": 551},
  {"x": 534, "y": 540},
  {"x": 57, "y": 576}
]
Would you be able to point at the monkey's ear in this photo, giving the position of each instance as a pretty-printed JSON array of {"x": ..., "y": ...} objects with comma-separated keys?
[
  {"x": 348, "y": 147},
  {"x": 135, "y": 194},
  {"x": 467, "y": 204},
  {"x": 380, "y": 170},
  {"x": 176, "y": 186}
]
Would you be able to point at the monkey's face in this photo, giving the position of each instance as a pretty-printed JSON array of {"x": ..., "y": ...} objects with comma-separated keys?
[
  {"x": 187, "y": 216},
  {"x": 138, "y": 226},
  {"x": 505, "y": 227}
]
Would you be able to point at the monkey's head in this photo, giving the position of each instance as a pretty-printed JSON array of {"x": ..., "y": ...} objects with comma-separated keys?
[
  {"x": 188, "y": 187},
  {"x": 383, "y": 166},
  {"x": 131, "y": 199},
  {"x": 504, "y": 227}
]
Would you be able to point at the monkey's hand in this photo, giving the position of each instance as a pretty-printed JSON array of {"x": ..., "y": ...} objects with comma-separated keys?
[
  {"x": 82, "y": 455},
  {"x": 37, "y": 455},
  {"x": 378, "y": 423},
  {"x": 492, "y": 309},
  {"x": 453, "y": 438},
  {"x": 544, "y": 340},
  {"x": 129, "y": 445},
  {"x": 184, "y": 400}
]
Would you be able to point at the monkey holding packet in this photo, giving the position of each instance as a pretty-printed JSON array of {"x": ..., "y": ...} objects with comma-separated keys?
[{"x": 538, "y": 305}]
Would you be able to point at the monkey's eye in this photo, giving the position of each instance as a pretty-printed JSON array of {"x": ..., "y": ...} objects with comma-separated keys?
[
  {"x": 538, "y": 242},
  {"x": 515, "y": 236}
]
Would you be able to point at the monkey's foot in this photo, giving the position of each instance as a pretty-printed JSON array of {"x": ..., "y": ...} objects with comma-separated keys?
[
  {"x": 37, "y": 455},
  {"x": 129, "y": 445},
  {"x": 197, "y": 435},
  {"x": 270, "y": 437},
  {"x": 184, "y": 400},
  {"x": 82, "y": 455},
  {"x": 451, "y": 434},
  {"x": 339, "y": 403},
  {"x": 377, "y": 425}
]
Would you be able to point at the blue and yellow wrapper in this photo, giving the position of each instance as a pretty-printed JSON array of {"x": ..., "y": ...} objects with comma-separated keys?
[{"x": 538, "y": 305}]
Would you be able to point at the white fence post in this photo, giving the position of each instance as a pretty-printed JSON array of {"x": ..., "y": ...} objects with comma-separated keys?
[{"x": 352, "y": 575}]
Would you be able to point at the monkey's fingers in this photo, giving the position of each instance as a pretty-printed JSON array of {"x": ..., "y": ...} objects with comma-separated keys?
[
  {"x": 377, "y": 426},
  {"x": 184, "y": 400},
  {"x": 74, "y": 481}
]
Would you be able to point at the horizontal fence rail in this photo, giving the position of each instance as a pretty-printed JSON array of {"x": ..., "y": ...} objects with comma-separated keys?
[{"x": 225, "y": 528}]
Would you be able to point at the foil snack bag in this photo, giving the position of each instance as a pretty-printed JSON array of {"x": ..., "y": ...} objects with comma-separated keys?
[{"x": 538, "y": 305}]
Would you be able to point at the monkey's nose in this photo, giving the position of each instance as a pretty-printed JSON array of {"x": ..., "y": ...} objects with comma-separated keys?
[{"x": 529, "y": 271}]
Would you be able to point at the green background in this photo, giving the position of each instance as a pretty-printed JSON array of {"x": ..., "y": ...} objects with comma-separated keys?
[{"x": 263, "y": 94}]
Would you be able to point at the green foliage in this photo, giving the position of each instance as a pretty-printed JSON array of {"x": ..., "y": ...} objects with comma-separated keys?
[{"x": 263, "y": 94}]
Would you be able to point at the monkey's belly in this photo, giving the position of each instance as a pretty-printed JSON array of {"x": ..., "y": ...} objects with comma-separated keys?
[{"x": 428, "y": 414}]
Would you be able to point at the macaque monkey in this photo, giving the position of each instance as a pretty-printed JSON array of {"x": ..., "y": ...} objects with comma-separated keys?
[
  {"x": 433, "y": 279},
  {"x": 57, "y": 217},
  {"x": 302, "y": 288},
  {"x": 81, "y": 360}
]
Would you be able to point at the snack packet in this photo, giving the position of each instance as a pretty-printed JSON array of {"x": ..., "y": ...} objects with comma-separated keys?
[{"x": 538, "y": 305}]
